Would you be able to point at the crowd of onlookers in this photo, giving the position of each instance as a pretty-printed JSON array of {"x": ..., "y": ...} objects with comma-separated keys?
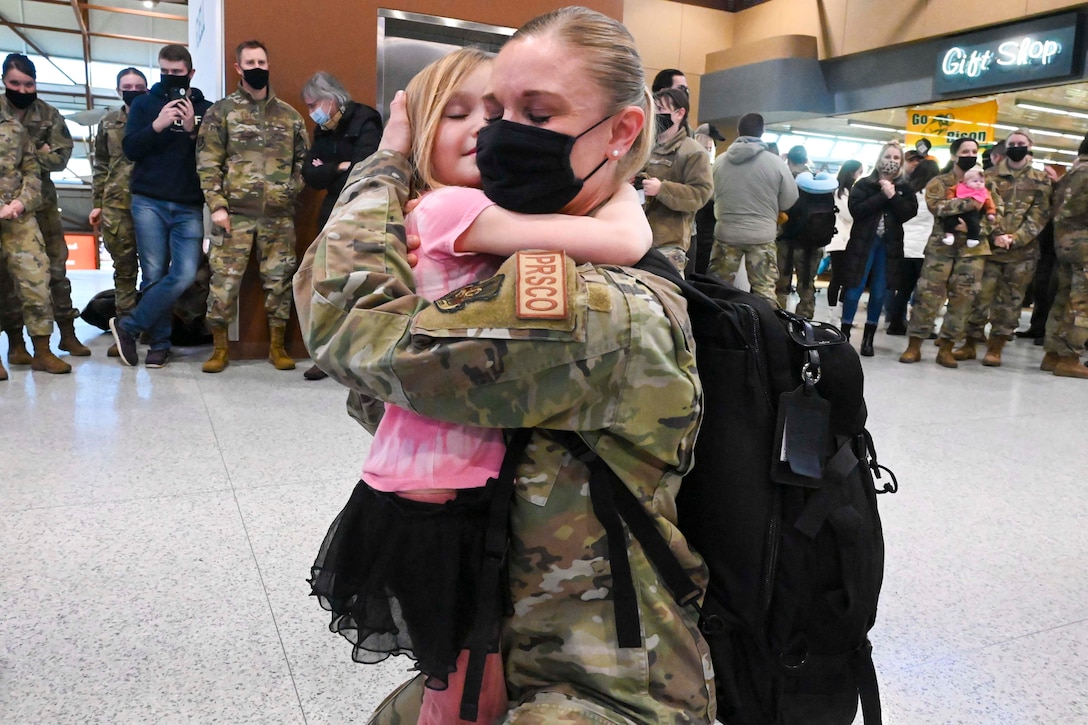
[
  {"x": 972, "y": 238},
  {"x": 911, "y": 234}
]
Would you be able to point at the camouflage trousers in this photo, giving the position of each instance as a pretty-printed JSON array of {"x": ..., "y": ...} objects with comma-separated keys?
[
  {"x": 119, "y": 236},
  {"x": 803, "y": 263},
  {"x": 1000, "y": 298},
  {"x": 562, "y": 660},
  {"x": 957, "y": 279},
  {"x": 60, "y": 289},
  {"x": 677, "y": 256},
  {"x": 760, "y": 262},
  {"x": 273, "y": 238},
  {"x": 1067, "y": 325},
  {"x": 24, "y": 276}
]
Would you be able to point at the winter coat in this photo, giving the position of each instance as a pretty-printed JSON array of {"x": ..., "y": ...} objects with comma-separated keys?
[
  {"x": 355, "y": 137},
  {"x": 751, "y": 187},
  {"x": 683, "y": 167},
  {"x": 867, "y": 205}
]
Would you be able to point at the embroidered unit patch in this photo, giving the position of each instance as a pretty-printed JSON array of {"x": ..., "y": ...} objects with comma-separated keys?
[
  {"x": 541, "y": 286},
  {"x": 483, "y": 291}
]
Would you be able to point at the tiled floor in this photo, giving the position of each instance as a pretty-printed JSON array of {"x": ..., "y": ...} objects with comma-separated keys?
[{"x": 156, "y": 529}]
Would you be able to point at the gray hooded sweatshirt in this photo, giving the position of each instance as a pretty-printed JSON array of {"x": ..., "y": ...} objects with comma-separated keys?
[{"x": 751, "y": 186}]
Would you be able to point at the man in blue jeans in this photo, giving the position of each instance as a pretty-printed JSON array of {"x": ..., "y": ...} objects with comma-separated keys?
[{"x": 167, "y": 203}]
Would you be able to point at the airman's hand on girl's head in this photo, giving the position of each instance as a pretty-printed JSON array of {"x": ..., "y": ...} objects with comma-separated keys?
[{"x": 398, "y": 131}]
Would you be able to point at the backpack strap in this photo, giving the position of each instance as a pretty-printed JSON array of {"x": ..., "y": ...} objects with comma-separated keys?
[{"x": 496, "y": 540}]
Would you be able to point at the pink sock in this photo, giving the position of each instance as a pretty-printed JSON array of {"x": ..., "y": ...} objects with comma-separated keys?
[{"x": 443, "y": 707}]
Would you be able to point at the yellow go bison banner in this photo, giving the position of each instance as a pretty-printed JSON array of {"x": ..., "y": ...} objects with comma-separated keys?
[{"x": 942, "y": 126}]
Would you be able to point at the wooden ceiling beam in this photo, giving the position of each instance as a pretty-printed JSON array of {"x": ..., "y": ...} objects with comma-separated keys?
[
  {"x": 84, "y": 29},
  {"x": 15, "y": 28},
  {"x": 71, "y": 31}
]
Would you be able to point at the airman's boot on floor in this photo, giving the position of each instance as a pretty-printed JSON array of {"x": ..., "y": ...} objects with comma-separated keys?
[
  {"x": 221, "y": 354},
  {"x": 3, "y": 373},
  {"x": 276, "y": 354},
  {"x": 993, "y": 351},
  {"x": 913, "y": 352},
  {"x": 17, "y": 354},
  {"x": 944, "y": 355},
  {"x": 68, "y": 340},
  {"x": 44, "y": 359},
  {"x": 1050, "y": 359},
  {"x": 1068, "y": 366},
  {"x": 966, "y": 351}
]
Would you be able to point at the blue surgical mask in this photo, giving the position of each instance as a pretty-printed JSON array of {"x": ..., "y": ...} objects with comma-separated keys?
[{"x": 320, "y": 116}]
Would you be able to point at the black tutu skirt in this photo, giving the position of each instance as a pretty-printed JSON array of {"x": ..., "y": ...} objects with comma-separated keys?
[{"x": 401, "y": 576}]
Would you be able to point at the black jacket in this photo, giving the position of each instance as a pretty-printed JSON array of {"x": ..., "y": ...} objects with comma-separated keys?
[
  {"x": 867, "y": 205},
  {"x": 163, "y": 164},
  {"x": 355, "y": 138}
]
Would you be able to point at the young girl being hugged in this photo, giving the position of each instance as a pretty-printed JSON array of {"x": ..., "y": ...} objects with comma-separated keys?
[{"x": 399, "y": 566}]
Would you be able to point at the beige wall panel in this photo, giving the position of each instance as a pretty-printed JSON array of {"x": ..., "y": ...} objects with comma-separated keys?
[
  {"x": 872, "y": 24},
  {"x": 657, "y": 27},
  {"x": 703, "y": 31},
  {"x": 832, "y": 37},
  {"x": 777, "y": 17},
  {"x": 947, "y": 17},
  {"x": 1035, "y": 7}
]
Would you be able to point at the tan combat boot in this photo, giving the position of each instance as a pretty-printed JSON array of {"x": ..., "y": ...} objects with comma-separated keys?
[
  {"x": 913, "y": 352},
  {"x": 966, "y": 351},
  {"x": 1068, "y": 366},
  {"x": 1050, "y": 359},
  {"x": 68, "y": 340},
  {"x": 944, "y": 355},
  {"x": 17, "y": 354},
  {"x": 221, "y": 354},
  {"x": 3, "y": 373},
  {"x": 276, "y": 354},
  {"x": 44, "y": 359},
  {"x": 993, "y": 351}
]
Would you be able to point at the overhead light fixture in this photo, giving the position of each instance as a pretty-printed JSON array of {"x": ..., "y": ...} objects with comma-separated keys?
[
  {"x": 874, "y": 126},
  {"x": 1050, "y": 108},
  {"x": 150, "y": 3}
]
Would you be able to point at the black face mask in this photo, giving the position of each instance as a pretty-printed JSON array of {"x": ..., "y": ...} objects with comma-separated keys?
[
  {"x": 966, "y": 163},
  {"x": 527, "y": 169},
  {"x": 20, "y": 100},
  {"x": 256, "y": 78},
  {"x": 1017, "y": 154},
  {"x": 130, "y": 96},
  {"x": 663, "y": 122},
  {"x": 171, "y": 82}
]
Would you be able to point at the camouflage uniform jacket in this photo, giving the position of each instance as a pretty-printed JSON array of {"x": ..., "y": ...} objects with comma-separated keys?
[
  {"x": 1023, "y": 200},
  {"x": 1071, "y": 204},
  {"x": 112, "y": 169},
  {"x": 618, "y": 368},
  {"x": 20, "y": 175},
  {"x": 683, "y": 167},
  {"x": 941, "y": 206},
  {"x": 45, "y": 125},
  {"x": 250, "y": 154}
]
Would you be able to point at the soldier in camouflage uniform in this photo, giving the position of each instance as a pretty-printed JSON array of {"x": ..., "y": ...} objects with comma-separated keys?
[
  {"x": 617, "y": 367},
  {"x": 948, "y": 272},
  {"x": 1067, "y": 325},
  {"x": 24, "y": 266},
  {"x": 112, "y": 199},
  {"x": 249, "y": 156},
  {"x": 53, "y": 145},
  {"x": 1022, "y": 194}
]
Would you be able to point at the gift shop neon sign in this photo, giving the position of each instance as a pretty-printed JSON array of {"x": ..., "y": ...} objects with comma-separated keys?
[{"x": 1026, "y": 51}]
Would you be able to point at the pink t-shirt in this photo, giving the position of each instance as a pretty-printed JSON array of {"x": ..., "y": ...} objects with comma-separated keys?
[{"x": 411, "y": 452}]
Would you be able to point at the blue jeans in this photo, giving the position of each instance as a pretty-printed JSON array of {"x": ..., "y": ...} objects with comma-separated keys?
[
  {"x": 169, "y": 240},
  {"x": 875, "y": 270}
]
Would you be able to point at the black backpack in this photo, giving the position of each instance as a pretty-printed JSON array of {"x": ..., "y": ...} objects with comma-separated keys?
[
  {"x": 782, "y": 506},
  {"x": 811, "y": 222}
]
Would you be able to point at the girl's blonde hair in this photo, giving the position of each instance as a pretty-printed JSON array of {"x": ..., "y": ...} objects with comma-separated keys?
[
  {"x": 427, "y": 95},
  {"x": 612, "y": 62}
]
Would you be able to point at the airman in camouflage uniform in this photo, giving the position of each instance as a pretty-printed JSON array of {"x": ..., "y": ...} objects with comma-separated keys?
[
  {"x": 948, "y": 272},
  {"x": 24, "y": 266},
  {"x": 1067, "y": 325},
  {"x": 53, "y": 144},
  {"x": 112, "y": 199},
  {"x": 1022, "y": 196},
  {"x": 619, "y": 369},
  {"x": 249, "y": 157}
]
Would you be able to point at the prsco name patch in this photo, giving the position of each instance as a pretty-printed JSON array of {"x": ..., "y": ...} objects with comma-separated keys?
[{"x": 541, "y": 286}]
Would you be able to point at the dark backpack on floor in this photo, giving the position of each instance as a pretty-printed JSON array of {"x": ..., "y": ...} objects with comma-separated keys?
[
  {"x": 811, "y": 220},
  {"x": 781, "y": 504}
]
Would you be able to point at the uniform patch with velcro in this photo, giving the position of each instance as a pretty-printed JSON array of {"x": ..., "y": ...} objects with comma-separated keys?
[{"x": 541, "y": 286}]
